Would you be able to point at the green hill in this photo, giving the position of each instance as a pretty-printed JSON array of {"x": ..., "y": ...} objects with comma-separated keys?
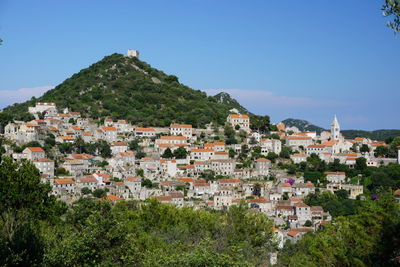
[
  {"x": 122, "y": 87},
  {"x": 302, "y": 125},
  {"x": 380, "y": 135}
]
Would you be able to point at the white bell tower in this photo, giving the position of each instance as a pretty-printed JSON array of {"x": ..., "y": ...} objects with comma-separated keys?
[{"x": 335, "y": 129}]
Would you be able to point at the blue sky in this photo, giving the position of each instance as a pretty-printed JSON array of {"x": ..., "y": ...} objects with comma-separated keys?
[{"x": 301, "y": 59}]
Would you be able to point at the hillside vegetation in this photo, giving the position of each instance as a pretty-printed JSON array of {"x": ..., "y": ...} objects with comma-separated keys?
[{"x": 126, "y": 88}]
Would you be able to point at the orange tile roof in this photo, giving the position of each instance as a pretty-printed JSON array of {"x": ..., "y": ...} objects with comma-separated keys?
[
  {"x": 43, "y": 160},
  {"x": 31, "y": 125},
  {"x": 198, "y": 184},
  {"x": 180, "y": 126},
  {"x": 113, "y": 198},
  {"x": 316, "y": 146},
  {"x": 132, "y": 179},
  {"x": 87, "y": 179},
  {"x": 228, "y": 181},
  {"x": 219, "y": 143},
  {"x": 67, "y": 137},
  {"x": 173, "y": 137},
  {"x": 186, "y": 180},
  {"x": 64, "y": 181},
  {"x": 292, "y": 233},
  {"x": 186, "y": 167},
  {"x": 299, "y": 155},
  {"x": 164, "y": 198},
  {"x": 35, "y": 149},
  {"x": 258, "y": 200},
  {"x": 144, "y": 129},
  {"x": 107, "y": 128},
  {"x": 330, "y": 143},
  {"x": 301, "y": 205},
  {"x": 263, "y": 160},
  {"x": 286, "y": 185},
  {"x": 119, "y": 143},
  {"x": 243, "y": 116},
  {"x": 202, "y": 150}
]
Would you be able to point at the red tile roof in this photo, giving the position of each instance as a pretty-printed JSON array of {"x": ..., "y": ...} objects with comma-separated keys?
[{"x": 35, "y": 149}]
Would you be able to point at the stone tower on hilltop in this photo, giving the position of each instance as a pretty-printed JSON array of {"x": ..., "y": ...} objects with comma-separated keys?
[
  {"x": 133, "y": 53},
  {"x": 335, "y": 129}
]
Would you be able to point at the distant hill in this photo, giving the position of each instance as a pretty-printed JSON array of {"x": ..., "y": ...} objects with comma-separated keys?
[
  {"x": 381, "y": 135},
  {"x": 123, "y": 87},
  {"x": 225, "y": 98},
  {"x": 302, "y": 125}
]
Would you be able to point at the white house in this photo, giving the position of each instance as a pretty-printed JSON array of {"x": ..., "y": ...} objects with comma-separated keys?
[
  {"x": 241, "y": 120},
  {"x": 45, "y": 166},
  {"x": 201, "y": 154},
  {"x": 181, "y": 129},
  {"x": 33, "y": 153}
]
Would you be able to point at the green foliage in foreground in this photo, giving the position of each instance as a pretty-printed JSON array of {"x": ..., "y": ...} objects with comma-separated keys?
[
  {"x": 369, "y": 238},
  {"x": 37, "y": 230},
  {"x": 127, "y": 88}
]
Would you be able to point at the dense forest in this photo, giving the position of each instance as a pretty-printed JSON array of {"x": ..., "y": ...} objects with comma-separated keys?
[
  {"x": 123, "y": 87},
  {"x": 38, "y": 230}
]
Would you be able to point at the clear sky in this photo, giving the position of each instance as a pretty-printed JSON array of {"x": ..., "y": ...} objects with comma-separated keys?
[{"x": 285, "y": 58}]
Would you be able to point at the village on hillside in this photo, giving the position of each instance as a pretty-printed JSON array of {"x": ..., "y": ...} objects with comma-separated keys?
[{"x": 187, "y": 166}]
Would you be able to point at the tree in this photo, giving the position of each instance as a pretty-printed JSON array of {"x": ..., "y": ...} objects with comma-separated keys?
[
  {"x": 104, "y": 149},
  {"x": 209, "y": 175},
  {"x": 253, "y": 141},
  {"x": 99, "y": 193},
  {"x": 86, "y": 191},
  {"x": 180, "y": 153},
  {"x": 391, "y": 9},
  {"x": 231, "y": 153},
  {"x": 79, "y": 144},
  {"x": 24, "y": 201},
  {"x": 381, "y": 151},
  {"x": 291, "y": 169},
  {"x": 285, "y": 152},
  {"x": 147, "y": 183},
  {"x": 167, "y": 154},
  {"x": 342, "y": 194},
  {"x": 260, "y": 123},
  {"x": 272, "y": 156},
  {"x": 308, "y": 223},
  {"x": 139, "y": 172},
  {"x": 134, "y": 144},
  {"x": 257, "y": 190},
  {"x": 361, "y": 164},
  {"x": 364, "y": 148},
  {"x": 229, "y": 131}
]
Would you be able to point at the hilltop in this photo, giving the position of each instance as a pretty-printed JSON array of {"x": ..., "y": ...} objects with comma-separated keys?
[
  {"x": 302, "y": 125},
  {"x": 123, "y": 87}
]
